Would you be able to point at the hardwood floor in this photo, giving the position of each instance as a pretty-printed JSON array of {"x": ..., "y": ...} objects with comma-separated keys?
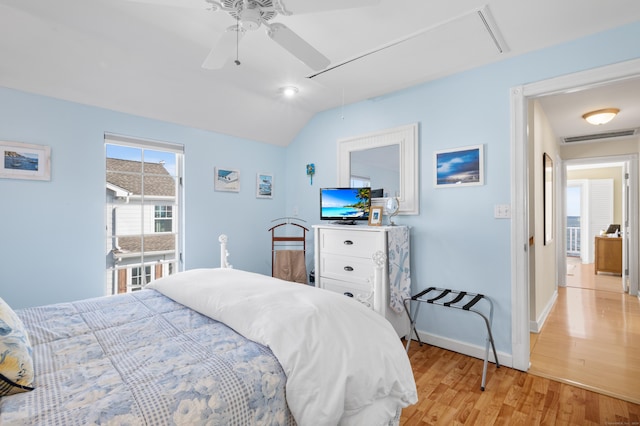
[
  {"x": 590, "y": 342},
  {"x": 591, "y": 337},
  {"x": 449, "y": 394}
]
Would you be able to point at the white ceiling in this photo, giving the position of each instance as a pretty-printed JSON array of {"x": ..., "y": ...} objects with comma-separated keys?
[{"x": 145, "y": 58}]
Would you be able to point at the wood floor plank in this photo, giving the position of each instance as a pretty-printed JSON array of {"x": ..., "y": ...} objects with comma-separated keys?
[
  {"x": 591, "y": 337},
  {"x": 449, "y": 394}
]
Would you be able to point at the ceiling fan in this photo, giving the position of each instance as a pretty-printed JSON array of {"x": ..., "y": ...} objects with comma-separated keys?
[{"x": 250, "y": 15}]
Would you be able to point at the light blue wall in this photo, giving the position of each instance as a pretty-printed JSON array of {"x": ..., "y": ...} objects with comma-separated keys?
[
  {"x": 52, "y": 238},
  {"x": 52, "y": 235},
  {"x": 456, "y": 241}
]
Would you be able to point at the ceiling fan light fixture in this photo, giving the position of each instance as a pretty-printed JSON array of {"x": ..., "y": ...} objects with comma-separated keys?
[
  {"x": 250, "y": 19},
  {"x": 289, "y": 91},
  {"x": 601, "y": 116}
]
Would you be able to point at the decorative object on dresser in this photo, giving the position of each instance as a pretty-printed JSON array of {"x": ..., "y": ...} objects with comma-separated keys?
[
  {"x": 345, "y": 262},
  {"x": 375, "y": 216}
]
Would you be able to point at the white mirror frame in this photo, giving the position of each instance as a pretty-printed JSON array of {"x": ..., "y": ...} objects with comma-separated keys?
[{"x": 407, "y": 139}]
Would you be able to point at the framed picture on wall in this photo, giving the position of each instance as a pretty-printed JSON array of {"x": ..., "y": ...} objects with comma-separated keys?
[
  {"x": 547, "y": 197},
  {"x": 264, "y": 185},
  {"x": 226, "y": 180},
  {"x": 459, "y": 167},
  {"x": 25, "y": 161}
]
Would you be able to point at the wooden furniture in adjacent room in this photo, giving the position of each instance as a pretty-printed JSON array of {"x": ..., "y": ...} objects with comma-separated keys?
[
  {"x": 608, "y": 255},
  {"x": 344, "y": 264}
]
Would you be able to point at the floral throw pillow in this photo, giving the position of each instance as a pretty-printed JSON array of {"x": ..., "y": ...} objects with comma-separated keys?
[{"x": 16, "y": 364}]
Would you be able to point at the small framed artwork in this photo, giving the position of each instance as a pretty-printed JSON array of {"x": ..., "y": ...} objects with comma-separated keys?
[
  {"x": 226, "y": 180},
  {"x": 25, "y": 161},
  {"x": 459, "y": 167},
  {"x": 375, "y": 216},
  {"x": 264, "y": 185}
]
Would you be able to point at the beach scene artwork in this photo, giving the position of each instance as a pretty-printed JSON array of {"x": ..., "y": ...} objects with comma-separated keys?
[
  {"x": 459, "y": 167},
  {"x": 227, "y": 180},
  {"x": 24, "y": 161},
  {"x": 264, "y": 185}
]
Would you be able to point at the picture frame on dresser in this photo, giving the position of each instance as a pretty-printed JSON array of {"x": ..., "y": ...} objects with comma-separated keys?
[{"x": 375, "y": 216}]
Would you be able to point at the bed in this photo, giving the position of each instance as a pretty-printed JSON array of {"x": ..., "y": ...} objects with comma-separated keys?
[{"x": 213, "y": 346}]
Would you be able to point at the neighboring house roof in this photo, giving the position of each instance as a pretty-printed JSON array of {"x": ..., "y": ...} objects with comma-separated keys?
[
  {"x": 152, "y": 243},
  {"x": 126, "y": 174}
]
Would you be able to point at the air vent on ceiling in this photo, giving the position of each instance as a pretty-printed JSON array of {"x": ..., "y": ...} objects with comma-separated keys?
[{"x": 599, "y": 136}]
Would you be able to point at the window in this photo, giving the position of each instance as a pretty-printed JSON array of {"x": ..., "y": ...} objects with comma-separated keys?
[
  {"x": 164, "y": 218},
  {"x": 142, "y": 211},
  {"x": 138, "y": 278}
]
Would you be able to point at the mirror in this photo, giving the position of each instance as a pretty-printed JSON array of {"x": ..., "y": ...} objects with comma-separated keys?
[
  {"x": 391, "y": 209},
  {"x": 380, "y": 167},
  {"x": 389, "y": 160}
]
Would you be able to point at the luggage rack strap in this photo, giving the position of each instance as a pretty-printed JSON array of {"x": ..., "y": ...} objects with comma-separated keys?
[{"x": 456, "y": 301}]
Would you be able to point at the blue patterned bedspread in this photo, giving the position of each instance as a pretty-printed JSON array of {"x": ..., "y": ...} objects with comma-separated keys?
[{"x": 143, "y": 359}]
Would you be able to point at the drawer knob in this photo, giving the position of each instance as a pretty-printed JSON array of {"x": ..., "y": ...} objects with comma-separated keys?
[
  {"x": 348, "y": 242},
  {"x": 348, "y": 294},
  {"x": 348, "y": 268}
]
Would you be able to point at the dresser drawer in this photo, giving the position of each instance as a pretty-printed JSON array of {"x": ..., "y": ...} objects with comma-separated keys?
[
  {"x": 351, "y": 243},
  {"x": 361, "y": 293},
  {"x": 346, "y": 268}
]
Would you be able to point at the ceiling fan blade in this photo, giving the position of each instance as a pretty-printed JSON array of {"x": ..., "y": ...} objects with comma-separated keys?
[
  {"x": 224, "y": 49},
  {"x": 297, "y": 7},
  {"x": 190, "y": 4},
  {"x": 299, "y": 48}
]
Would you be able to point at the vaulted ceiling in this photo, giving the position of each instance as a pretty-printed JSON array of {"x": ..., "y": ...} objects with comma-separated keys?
[{"x": 145, "y": 57}]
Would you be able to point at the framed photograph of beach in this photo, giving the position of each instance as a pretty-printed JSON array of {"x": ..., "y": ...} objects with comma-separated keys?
[
  {"x": 25, "y": 161},
  {"x": 264, "y": 185},
  {"x": 375, "y": 216},
  {"x": 226, "y": 180},
  {"x": 459, "y": 167}
]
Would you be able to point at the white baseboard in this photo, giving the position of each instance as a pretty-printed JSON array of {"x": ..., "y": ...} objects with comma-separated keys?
[
  {"x": 536, "y": 326},
  {"x": 463, "y": 348}
]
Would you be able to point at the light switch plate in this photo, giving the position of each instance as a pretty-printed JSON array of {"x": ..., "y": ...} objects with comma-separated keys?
[{"x": 502, "y": 211}]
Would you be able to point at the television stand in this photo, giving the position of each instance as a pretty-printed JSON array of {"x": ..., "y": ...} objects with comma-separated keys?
[{"x": 344, "y": 222}]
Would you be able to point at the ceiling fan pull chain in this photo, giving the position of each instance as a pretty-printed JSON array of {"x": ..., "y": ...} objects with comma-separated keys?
[{"x": 237, "y": 61}]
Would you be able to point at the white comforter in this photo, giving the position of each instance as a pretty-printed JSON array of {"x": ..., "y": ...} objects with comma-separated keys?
[{"x": 344, "y": 362}]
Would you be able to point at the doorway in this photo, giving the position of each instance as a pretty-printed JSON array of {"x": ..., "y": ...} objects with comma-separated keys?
[{"x": 520, "y": 232}]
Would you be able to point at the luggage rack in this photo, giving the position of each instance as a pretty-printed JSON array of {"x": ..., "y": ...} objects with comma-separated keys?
[{"x": 459, "y": 300}]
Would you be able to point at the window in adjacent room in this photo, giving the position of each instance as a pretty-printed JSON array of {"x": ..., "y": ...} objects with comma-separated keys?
[{"x": 142, "y": 211}]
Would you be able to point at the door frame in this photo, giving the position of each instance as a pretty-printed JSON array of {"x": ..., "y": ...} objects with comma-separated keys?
[{"x": 520, "y": 97}]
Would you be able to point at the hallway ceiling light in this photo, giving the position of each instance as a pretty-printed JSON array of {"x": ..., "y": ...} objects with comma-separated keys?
[{"x": 601, "y": 116}]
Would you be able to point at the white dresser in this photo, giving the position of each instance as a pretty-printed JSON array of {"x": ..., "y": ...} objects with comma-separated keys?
[{"x": 344, "y": 264}]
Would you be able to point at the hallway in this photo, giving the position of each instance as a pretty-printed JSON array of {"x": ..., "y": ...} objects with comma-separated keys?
[{"x": 592, "y": 336}]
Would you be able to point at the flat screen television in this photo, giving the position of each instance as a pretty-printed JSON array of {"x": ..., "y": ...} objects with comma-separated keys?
[{"x": 345, "y": 206}]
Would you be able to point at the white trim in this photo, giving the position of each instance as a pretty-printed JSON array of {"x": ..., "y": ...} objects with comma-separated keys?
[
  {"x": 116, "y": 139},
  {"x": 407, "y": 139},
  {"x": 520, "y": 96},
  {"x": 462, "y": 347},
  {"x": 536, "y": 325}
]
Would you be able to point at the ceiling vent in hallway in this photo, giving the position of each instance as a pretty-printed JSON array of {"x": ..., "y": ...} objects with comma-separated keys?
[{"x": 599, "y": 136}]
